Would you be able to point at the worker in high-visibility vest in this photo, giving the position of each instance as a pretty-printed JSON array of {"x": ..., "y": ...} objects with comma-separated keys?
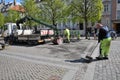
[
  {"x": 78, "y": 35},
  {"x": 104, "y": 39},
  {"x": 67, "y": 34}
]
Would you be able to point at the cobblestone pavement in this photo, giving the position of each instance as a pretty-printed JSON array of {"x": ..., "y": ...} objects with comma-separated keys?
[
  {"x": 45, "y": 62},
  {"x": 58, "y": 62},
  {"x": 105, "y": 69},
  {"x": 109, "y": 69}
]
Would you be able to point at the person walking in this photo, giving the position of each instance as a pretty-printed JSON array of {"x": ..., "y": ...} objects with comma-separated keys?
[
  {"x": 104, "y": 39},
  {"x": 67, "y": 35}
]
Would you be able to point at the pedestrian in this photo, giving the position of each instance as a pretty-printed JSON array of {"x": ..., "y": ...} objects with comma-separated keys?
[
  {"x": 104, "y": 39},
  {"x": 67, "y": 35}
]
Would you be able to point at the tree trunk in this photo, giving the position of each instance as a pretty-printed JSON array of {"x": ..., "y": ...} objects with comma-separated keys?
[
  {"x": 86, "y": 25},
  {"x": 86, "y": 21}
]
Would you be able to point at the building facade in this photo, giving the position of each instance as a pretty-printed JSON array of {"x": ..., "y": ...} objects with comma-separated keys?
[
  {"x": 106, "y": 15},
  {"x": 116, "y": 15},
  {"x": 111, "y": 14}
]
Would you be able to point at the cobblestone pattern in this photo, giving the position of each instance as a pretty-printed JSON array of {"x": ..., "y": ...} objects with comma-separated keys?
[
  {"x": 17, "y": 69},
  {"x": 64, "y": 51},
  {"x": 80, "y": 72},
  {"x": 109, "y": 69},
  {"x": 14, "y": 69},
  {"x": 79, "y": 75}
]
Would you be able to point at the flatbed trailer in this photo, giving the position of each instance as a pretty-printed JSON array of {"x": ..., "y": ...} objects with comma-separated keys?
[{"x": 15, "y": 34}]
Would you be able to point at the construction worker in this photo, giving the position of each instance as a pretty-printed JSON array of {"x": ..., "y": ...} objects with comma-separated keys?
[
  {"x": 67, "y": 35},
  {"x": 104, "y": 39},
  {"x": 78, "y": 35}
]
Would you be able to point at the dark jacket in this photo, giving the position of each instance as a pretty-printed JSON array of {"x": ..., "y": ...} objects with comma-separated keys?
[{"x": 103, "y": 33}]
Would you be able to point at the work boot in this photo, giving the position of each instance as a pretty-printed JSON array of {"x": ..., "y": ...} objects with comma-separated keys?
[
  {"x": 99, "y": 58},
  {"x": 106, "y": 57}
]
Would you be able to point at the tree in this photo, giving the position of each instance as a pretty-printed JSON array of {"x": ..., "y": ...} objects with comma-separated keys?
[
  {"x": 12, "y": 16},
  {"x": 31, "y": 9},
  {"x": 1, "y": 20},
  {"x": 53, "y": 11},
  {"x": 86, "y": 11}
]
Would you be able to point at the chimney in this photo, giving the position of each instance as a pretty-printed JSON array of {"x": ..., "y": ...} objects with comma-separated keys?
[{"x": 14, "y": 2}]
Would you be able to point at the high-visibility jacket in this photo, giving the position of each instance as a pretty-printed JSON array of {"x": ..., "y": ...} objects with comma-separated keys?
[{"x": 67, "y": 32}]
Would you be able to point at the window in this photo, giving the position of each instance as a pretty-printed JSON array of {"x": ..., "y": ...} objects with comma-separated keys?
[
  {"x": 118, "y": 1},
  {"x": 106, "y": 8},
  {"x": 14, "y": 27},
  {"x": 5, "y": 27},
  {"x": 81, "y": 26},
  {"x": 118, "y": 14}
]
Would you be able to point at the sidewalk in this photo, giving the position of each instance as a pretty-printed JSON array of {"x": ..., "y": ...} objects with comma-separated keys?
[{"x": 105, "y": 69}]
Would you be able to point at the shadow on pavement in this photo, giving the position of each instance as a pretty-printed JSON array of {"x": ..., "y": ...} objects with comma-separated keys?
[{"x": 82, "y": 60}]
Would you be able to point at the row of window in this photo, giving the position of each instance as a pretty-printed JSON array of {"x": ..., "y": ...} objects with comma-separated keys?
[{"x": 107, "y": 9}]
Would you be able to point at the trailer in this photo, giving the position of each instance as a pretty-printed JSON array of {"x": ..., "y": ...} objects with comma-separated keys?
[{"x": 14, "y": 33}]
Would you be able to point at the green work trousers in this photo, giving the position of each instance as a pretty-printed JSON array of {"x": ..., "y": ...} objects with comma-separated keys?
[{"x": 105, "y": 46}]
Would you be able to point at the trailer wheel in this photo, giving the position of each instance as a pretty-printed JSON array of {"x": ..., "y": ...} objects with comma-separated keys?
[{"x": 3, "y": 46}]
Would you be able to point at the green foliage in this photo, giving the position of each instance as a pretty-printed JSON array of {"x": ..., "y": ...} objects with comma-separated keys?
[
  {"x": 1, "y": 20},
  {"x": 96, "y": 11},
  {"x": 76, "y": 10},
  {"x": 12, "y": 16},
  {"x": 31, "y": 9},
  {"x": 53, "y": 11},
  {"x": 86, "y": 11},
  {"x": 56, "y": 11},
  {"x": 90, "y": 9}
]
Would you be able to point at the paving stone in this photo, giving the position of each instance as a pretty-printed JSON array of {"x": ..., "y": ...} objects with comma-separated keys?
[
  {"x": 57, "y": 62},
  {"x": 107, "y": 70}
]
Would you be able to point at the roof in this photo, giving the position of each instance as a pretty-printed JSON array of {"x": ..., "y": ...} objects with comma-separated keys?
[{"x": 18, "y": 8}]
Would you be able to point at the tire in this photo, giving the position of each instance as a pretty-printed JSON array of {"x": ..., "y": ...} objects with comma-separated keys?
[{"x": 3, "y": 46}]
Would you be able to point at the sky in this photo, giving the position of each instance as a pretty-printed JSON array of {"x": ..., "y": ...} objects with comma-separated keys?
[{"x": 6, "y": 1}]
